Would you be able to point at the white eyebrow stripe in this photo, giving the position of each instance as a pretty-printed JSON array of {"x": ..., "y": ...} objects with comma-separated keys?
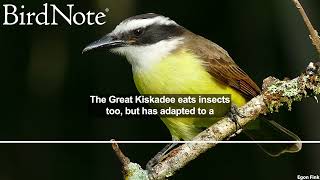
[{"x": 127, "y": 26}]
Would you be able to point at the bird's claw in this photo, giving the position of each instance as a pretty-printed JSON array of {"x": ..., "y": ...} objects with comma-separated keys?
[
  {"x": 160, "y": 156},
  {"x": 233, "y": 115}
]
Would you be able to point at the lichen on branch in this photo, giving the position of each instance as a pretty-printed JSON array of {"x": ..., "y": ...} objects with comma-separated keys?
[{"x": 278, "y": 93}]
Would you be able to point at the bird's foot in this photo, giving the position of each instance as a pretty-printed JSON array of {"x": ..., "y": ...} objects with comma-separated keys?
[
  {"x": 160, "y": 156},
  {"x": 233, "y": 115}
]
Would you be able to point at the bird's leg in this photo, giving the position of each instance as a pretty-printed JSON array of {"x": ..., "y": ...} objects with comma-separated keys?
[
  {"x": 160, "y": 155},
  {"x": 233, "y": 115}
]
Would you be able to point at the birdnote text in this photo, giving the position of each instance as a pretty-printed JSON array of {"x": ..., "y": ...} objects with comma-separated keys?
[{"x": 49, "y": 14}]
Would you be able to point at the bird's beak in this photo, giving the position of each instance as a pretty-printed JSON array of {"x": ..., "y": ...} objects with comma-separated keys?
[{"x": 108, "y": 41}]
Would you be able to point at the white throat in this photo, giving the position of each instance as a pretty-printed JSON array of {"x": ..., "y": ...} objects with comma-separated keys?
[{"x": 144, "y": 57}]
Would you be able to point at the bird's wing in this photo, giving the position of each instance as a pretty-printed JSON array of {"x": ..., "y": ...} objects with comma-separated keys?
[{"x": 221, "y": 66}]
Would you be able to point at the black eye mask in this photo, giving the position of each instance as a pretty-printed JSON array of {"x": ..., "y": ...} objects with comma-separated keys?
[{"x": 155, "y": 33}]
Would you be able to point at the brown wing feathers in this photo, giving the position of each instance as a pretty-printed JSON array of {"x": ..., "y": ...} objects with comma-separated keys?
[{"x": 220, "y": 65}]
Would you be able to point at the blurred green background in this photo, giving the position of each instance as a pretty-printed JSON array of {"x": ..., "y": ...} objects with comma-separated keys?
[{"x": 46, "y": 82}]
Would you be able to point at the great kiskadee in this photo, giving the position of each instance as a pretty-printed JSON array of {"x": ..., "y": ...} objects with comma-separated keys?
[{"x": 167, "y": 58}]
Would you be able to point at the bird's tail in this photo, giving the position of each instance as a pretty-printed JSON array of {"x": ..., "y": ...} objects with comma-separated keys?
[{"x": 266, "y": 130}]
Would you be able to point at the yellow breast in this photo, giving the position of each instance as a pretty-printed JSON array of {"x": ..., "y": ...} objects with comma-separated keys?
[{"x": 182, "y": 73}]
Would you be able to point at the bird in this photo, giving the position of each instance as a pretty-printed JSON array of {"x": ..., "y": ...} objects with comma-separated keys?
[{"x": 167, "y": 58}]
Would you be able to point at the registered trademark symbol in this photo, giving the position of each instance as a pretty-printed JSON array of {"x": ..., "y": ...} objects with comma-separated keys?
[{"x": 107, "y": 9}]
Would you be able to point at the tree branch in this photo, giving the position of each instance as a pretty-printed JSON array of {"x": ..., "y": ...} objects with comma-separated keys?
[
  {"x": 276, "y": 93},
  {"x": 313, "y": 33},
  {"x": 130, "y": 171}
]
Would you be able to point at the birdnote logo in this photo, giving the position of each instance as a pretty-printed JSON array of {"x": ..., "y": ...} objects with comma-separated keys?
[{"x": 19, "y": 15}]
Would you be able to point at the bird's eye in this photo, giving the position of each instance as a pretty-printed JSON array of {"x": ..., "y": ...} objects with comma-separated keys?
[{"x": 138, "y": 32}]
